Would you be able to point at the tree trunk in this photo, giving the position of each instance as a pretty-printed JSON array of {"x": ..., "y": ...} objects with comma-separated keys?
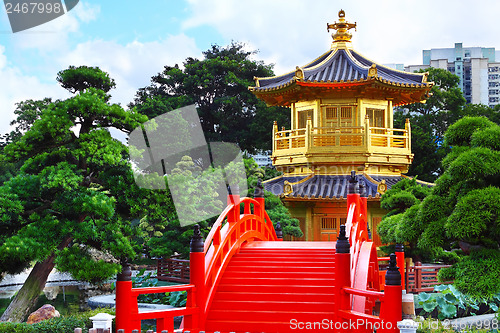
[{"x": 27, "y": 296}]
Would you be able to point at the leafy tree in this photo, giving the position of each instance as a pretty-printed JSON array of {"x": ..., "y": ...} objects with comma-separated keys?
[
  {"x": 164, "y": 240},
  {"x": 71, "y": 203},
  {"x": 218, "y": 85},
  {"x": 400, "y": 224},
  {"x": 461, "y": 215},
  {"x": 429, "y": 122},
  {"x": 274, "y": 206},
  {"x": 78, "y": 79},
  {"x": 27, "y": 113}
]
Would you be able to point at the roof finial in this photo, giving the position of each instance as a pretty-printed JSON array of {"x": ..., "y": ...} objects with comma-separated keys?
[{"x": 342, "y": 27}]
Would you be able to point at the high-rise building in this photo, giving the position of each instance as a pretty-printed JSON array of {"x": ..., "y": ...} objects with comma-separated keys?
[{"x": 476, "y": 67}]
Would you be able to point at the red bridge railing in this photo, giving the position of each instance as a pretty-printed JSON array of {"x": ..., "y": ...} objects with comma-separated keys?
[
  {"x": 243, "y": 220},
  {"x": 359, "y": 291}
]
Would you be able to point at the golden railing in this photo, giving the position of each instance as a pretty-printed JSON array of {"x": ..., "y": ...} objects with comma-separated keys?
[{"x": 371, "y": 138}]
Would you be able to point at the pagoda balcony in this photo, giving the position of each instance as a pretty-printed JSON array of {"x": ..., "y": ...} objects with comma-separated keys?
[{"x": 364, "y": 144}]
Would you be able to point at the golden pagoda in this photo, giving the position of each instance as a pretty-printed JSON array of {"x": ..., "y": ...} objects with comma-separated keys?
[{"x": 341, "y": 121}]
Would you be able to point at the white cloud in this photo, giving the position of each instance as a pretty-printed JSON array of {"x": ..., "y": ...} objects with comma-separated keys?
[
  {"x": 131, "y": 65},
  {"x": 16, "y": 86},
  {"x": 53, "y": 35},
  {"x": 293, "y": 32}
]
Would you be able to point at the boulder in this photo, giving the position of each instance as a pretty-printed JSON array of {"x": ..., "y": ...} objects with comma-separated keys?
[{"x": 47, "y": 311}]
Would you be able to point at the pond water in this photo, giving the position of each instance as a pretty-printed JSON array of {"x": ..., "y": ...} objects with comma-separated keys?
[
  {"x": 66, "y": 299},
  {"x": 62, "y": 291}
]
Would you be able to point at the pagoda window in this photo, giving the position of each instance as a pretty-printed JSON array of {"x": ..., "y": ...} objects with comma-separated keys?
[
  {"x": 303, "y": 115},
  {"x": 329, "y": 223},
  {"x": 376, "y": 117},
  {"x": 339, "y": 116}
]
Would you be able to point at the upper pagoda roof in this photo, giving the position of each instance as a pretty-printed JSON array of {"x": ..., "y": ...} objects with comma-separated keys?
[{"x": 345, "y": 69}]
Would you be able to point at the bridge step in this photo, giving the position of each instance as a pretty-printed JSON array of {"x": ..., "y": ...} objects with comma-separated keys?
[
  {"x": 268, "y": 297},
  {"x": 269, "y": 315},
  {"x": 274, "y": 326},
  {"x": 291, "y": 305},
  {"x": 269, "y": 286}
]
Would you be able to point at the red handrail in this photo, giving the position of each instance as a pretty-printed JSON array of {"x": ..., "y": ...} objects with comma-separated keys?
[
  {"x": 225, "y": 240},
  {"x": 356, "y": 297}
]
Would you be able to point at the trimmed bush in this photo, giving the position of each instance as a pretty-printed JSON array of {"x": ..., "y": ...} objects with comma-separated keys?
[
  {"x": 460, "y": 133},
  {"x": 66, "y": 324},
  {"x": 485, "y": 264},
  {"x": 446, "y": 274},
  {"x": 488, "y": 138},
  {"x": 476, "y": 215}
]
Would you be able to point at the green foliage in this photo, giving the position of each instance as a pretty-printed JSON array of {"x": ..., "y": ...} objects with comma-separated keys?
[
  {"x": 83, "y": 77},
  {"x": 477, "y": 274},
  {"x": 74, "y": 185},
  {"x": 488, "y": 138},
  {"x": 178, "y": 298},
  {"x": 388, "y": 229},
  {"x": 447, "y": 274},
  {"x": 53, "y": 325},
  {"x": 66, "y": 324},
  {"x": 401, "y": 225},
  {"x": 218, "y": 85},
  {"x": 449, "y": 299},
  {"x": 460, "y": 133},
  {"x": 476, "y": 216},
  {"x": 461, "y": 215},
  {"x": 403, "y": 194}
]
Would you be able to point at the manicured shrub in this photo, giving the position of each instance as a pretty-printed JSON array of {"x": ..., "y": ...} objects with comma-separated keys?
[
  {"x": 399, "y": 200},
  {"x": 446, "y": 274},
  {"x": 432, "y": 237},
  {"x": 7, "y": 327},
  {"x": 66, "y": 324},
  {"x": 488, "y": 138},
  {"x": 452, "y": 155},
  {"x": 59, "y": 325},
  {"x": 476, "y": 215},
  {"x": 386, "y": 229},
  {"x": 460, "y": 133},
  {"x": 484, "y": 264},
  {"x": 475, "y": 164}
]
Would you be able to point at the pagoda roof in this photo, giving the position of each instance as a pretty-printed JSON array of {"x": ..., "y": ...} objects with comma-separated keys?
[
  {"x": 342, "y": 68},
  {"x": 329, "y": 187}
]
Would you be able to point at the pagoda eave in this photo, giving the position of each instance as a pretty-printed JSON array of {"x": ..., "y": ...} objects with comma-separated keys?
[{"x": 400, "y": 94}]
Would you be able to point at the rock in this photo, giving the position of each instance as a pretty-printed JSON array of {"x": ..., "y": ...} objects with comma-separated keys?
[{"x": 47, "y": 311}]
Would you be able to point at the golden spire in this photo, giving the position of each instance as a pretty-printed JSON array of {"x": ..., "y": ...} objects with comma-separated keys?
[{"x": 342, "y": 27}]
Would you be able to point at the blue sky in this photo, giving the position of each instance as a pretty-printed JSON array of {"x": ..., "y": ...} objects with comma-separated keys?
[{"x": 133, "y": 40}]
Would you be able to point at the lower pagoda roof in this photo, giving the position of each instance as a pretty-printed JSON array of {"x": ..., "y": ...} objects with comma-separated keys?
[
  {"x": 342, "y": 68},
  {"x": 329, "y": 187}
]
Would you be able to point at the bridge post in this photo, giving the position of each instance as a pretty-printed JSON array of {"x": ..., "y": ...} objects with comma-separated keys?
[
  {"x": 258, "y": 195},
  {"x": 364, "y": 208},
  {"x": 233, "y": 198},
  {"x": 400, "y": 258},
  {"x": 126, "y": 303},
  {"x": 353, "y": 198},
  {"x": 392, "y": 307},
  {"x": 196, "y": 277},
  {"x": 343, "y": 269}
]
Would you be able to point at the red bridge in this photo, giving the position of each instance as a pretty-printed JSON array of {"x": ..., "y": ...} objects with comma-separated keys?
[{"x": 244, "y": 278}]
